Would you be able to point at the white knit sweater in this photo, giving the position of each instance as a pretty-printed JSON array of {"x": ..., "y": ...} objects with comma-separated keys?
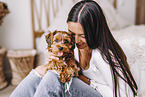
[{"x": 101, "y": 78}]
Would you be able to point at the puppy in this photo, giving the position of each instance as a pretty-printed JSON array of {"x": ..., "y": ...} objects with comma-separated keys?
[{"x": 61, "y": 56}]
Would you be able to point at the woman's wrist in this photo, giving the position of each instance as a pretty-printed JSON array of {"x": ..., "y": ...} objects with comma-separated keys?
[
  {"x": 84, "y": 79},
  {"x": 88, "y": 81}
]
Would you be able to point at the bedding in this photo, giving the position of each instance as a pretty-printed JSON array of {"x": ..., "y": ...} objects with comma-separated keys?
[
  {"x": 132, "y": 41},
  {"x": 130, "y": 37}
]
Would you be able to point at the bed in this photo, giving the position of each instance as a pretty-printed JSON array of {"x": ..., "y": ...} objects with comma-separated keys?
[{"x": 130, "y": 37}]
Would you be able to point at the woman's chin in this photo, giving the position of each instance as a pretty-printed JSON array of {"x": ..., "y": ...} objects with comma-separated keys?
[{"x": 81, "y": 47}]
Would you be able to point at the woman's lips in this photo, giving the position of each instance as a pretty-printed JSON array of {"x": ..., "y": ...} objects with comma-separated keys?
[{"x": 79, "y": 44}]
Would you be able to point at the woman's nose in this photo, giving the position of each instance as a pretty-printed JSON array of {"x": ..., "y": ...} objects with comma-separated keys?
[{"x": 76, "y": 39}]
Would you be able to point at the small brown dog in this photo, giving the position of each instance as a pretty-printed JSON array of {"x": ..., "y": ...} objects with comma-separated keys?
[{"x": 61, "y": 57}]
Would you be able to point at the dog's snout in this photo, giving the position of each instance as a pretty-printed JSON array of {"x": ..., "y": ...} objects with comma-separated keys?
[{"x": 60, "y": 48}]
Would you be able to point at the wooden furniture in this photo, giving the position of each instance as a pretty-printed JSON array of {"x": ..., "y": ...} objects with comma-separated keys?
[
  {"x": 140, "y": 12},
  {"x": 3, "y": 82},
  {"x": 115, "y": 3},
  {"x": 40, "y": 15},
  {"x": 21, "y": 62}
]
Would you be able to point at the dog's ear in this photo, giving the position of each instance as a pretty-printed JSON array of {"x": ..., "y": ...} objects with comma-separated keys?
[
  {"x": 55, "y": 32},
  {"x": 73, "y": 42},
  {"x": 49, "y": 38}
]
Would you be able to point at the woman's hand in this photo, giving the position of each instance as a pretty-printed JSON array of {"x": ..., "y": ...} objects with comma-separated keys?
[
  {"x": 41, "y": 70},
  {"x": 84, "y": 79}
]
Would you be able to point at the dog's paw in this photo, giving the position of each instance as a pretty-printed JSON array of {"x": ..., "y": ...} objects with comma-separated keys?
[{"x": 66, "y": 75}]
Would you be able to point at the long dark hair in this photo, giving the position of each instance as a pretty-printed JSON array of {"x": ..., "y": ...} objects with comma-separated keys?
[{"x": 97, "y": 34}]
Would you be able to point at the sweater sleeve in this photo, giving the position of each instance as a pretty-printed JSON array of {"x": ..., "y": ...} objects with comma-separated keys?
[
  {"x": 103, "y": 67},
  {"x": 104, "y": 90}
]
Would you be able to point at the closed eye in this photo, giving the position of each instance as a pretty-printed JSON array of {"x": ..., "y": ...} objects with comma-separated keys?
[
  {"x": 71, "y": 33},
  {"x": 83, "y": 36}
]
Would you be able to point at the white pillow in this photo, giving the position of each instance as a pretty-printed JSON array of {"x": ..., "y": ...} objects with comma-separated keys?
[{"x": 114, "y": 19}]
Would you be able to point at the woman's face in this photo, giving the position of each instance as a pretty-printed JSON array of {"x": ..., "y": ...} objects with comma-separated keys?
[{"x": 76, "y": 29}]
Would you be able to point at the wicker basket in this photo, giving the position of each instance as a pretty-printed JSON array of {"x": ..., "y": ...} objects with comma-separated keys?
[
  {"x": 21, "y": 61},
  {"x": 3, "y": 83}
]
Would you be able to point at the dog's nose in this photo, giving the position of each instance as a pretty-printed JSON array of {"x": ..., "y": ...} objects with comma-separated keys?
[{"x": 60, "y": 48}]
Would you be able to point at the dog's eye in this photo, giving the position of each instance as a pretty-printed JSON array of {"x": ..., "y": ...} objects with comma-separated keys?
[
  {"x": 56, "y": 40},
  {"x": 66, "y": 41}
]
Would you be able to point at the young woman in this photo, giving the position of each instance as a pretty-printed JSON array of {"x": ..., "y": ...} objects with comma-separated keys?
[
  {"x": 100, "y": 56},
  {"x": 105, "y": 71}
]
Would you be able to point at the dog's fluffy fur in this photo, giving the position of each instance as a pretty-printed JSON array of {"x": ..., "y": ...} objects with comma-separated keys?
[{"x": 60, "y": 55}]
